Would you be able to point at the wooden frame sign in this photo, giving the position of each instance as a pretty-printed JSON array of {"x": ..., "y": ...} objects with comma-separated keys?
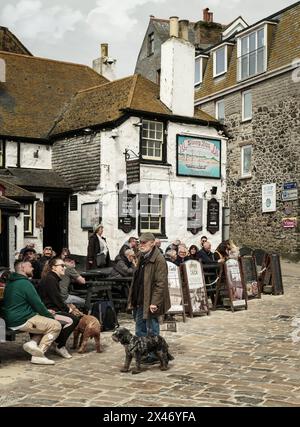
[
  {"x": 237, "y": 293},
  {"x": 175, "y": 290},
  {"x": 194, "y": 288},
  {"x": 272, "y": 278},
  {"x": 249, "y": 276}
]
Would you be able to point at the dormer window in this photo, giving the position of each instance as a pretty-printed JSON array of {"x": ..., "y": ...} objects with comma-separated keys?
[
  {"x": 1, "y": 153},
  {"x": 252, "y": 45},
  {"x": 200, "y": 65},
  {"x": 220, "y": 61}
]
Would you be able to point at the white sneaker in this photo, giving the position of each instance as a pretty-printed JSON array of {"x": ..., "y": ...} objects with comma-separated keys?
[
  {"x": 32, "y": 348},
  {"x": 42, "y": 360},
  {"x": 63, "y": 352}
]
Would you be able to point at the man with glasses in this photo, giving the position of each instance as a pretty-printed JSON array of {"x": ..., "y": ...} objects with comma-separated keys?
[
  {"x": 24, "y": 311},
  {"x": 149, "y": 292},
  {"x": 47, "y": 255},
  {"x": 203, "y": 239}
]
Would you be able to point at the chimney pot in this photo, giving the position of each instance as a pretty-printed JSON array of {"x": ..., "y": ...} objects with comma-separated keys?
[
  {"x": 2, "y": 71},
  {"x": 174, "y": 30},
  {"x": 104, "y": 50},
  {"x": 206, "y": 14},
  {"x": 184, "y": 29},
  {"x": 210, "y": 17}
]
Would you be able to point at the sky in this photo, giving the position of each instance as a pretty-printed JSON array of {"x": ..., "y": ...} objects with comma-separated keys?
[{"x": 72, "y": 30}]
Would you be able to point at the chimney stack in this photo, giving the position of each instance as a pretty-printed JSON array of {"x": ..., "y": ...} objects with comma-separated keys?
[
  {"x": 184, "y": 29},
  {"x": 174, "y": 30},
  {"x": 105, "y": 66},
  {"x": 208, "y": 16},
  {"x": 178, "y": 70}
]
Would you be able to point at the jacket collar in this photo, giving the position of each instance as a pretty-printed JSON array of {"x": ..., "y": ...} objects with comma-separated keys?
[{"x": 154, "y": 254}]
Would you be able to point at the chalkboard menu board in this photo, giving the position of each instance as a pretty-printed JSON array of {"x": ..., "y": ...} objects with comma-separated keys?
[
  {"x": 133, "y": 171},
  {"x": 193, "y": 280},
  {"x": 127, "y": 211},
  {"x": 195, "y": 209},
  {"x": 249, "y": 276},
  {"x": 175, "y": 290},
  {"x": 276, "y": 274},
  {"x": 213, "y": 216},
  {"x": 236, "y": 289}
]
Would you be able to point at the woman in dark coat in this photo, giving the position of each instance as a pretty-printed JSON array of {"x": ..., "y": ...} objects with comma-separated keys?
[
  {"x": 193, "y": 252},
  {"x": 49, "y": 291},
  {"x": 97, "y": 246}
]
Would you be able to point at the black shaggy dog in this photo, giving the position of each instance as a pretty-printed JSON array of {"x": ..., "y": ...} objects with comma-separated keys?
[{"x": 141, "y": 346}]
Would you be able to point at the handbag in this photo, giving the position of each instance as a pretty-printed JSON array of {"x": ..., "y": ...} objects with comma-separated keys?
[{"x": 101, "y": 260}]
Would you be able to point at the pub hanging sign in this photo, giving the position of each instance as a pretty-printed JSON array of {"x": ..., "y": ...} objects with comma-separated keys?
[
  {"x": 194, "y": 219},
  {"x": 126, "y": 211},
  {"x": 213, "y": 216}
]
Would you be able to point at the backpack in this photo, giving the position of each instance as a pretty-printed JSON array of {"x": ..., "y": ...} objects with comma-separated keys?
[{"x": 105, "y": 312}]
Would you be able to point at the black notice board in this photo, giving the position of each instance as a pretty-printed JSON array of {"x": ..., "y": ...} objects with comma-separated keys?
[
  {"x": 133, "y": 171},
  {"x": 127, "y": 211},
  {"x": 249, "y": 276},
  {"x": 277, "y": 285},
  {"x": 213, "y": 216}
]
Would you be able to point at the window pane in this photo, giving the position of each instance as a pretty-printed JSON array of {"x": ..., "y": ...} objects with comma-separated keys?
[
  {"x": 244, "y": 45},
  {"x": 220, "y": 111},
  {"x": 252, "y": 42},
  {"x": 260, "y": 38},
  {"x": 252, "y": 63},
  {"x": 245, "y": 65},
  {"x": 261, "y": 60},
  {"x": 152, "y": 138},
  {"x": 247, "y": 151},
  {"x": 247, "y": 105},
  {"x": 220, "y": 60}
]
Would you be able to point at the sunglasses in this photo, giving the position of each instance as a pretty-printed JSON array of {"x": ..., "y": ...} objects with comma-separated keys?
[
  {"x": 59, "y": 265},
  {"x": 48, "y": 248}
]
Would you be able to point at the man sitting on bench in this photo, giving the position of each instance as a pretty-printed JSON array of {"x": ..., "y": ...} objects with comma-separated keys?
[{"x": 24, "y": 311}]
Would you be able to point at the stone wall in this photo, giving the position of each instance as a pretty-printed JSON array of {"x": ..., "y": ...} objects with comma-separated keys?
[
  {"x": 274, "y": 133},
  {"x": 77, "y": 160}
]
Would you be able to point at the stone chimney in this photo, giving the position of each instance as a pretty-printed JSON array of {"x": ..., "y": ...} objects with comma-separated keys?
[
  {"x": 178, "y": 70},
  {"x": 208, "y": 16},
  {"x": 105, "y": 65},
  {"x": 2, "y": 71}
]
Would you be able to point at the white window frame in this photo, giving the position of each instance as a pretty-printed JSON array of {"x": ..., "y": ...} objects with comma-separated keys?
[
  {"x": 30, "y": 216},
  {"x": 239, "y": 52},
  {"x": 217, "y": 110},
  {"x": 151, "y": 140},
  {"x": 200, "y": 59},
  {"x": 247, "y": 174},
  {"x": 149, "y": 215},
  {"x": 225, "y": 47},
  {"x": 244, "y": 118}
]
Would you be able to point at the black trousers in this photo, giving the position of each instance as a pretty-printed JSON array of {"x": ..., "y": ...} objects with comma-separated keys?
[{"x": 69, "y": 323}]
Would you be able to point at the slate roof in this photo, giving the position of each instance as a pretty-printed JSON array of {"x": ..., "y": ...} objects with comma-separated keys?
[
  {"x": 14, "y": 191},
  {"x": 106, "y": 103},
  {"x": 6, "y": 203},
  {"x": 36, "y": 92},
  {"x": 282, "y": 51},
  {"x": 34, "y": 178}
]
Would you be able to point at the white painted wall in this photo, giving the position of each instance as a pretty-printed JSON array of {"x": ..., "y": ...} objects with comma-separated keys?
[
  {"x": 177, "y": 76},
  {"x": 11, "y": 154},
  {"x": 155, "y": 179},
  {"x": 28, "y": 153}
]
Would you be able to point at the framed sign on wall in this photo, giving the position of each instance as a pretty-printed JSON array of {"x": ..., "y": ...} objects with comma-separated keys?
[
  {"x": 198, "y": 157},
  {"x": 91, "y": 214}
]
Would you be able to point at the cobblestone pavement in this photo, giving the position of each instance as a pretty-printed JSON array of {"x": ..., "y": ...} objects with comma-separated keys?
[{"x": 246, "y": 358}]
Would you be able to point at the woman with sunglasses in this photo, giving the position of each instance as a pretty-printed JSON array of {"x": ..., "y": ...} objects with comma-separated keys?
[{"x": 49, "y": 291}]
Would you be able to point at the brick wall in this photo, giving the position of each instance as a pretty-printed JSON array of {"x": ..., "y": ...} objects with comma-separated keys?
[
  {"x": 274, "y": 133},
  {"x": 77, "y": 160}
]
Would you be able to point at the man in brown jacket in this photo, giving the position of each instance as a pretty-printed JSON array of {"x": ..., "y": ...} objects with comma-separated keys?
[{"x": 149, "y": 292}]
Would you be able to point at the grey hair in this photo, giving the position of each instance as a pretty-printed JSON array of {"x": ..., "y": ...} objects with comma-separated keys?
[{"x": 129, "y": 252}]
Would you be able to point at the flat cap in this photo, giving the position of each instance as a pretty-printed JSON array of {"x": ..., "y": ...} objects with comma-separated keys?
[{"x": 146, "y": 237}]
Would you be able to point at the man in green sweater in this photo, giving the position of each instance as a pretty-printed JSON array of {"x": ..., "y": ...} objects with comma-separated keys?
[{"x": 24, "y": 311}]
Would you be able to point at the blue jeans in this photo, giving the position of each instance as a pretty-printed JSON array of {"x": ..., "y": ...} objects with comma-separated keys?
[{"x": 141, "y": 324}]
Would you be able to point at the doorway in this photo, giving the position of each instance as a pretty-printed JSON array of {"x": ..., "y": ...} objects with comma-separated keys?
[{"x": 55, "y": 232}]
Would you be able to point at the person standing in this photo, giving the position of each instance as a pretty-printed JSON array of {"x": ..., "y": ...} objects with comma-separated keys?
[
  {"x": 24, "y": 311},
  {"x": 149, "y": 292},
  {"x": 97, "y": 252}
]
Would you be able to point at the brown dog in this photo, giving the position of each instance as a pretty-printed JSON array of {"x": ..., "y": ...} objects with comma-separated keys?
[{"x": 88, "y": 327}]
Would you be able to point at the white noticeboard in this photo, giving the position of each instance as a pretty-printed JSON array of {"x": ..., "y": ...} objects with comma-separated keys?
[
  {"x": 269, "y": 197},
  {"x": 175, "y": 289}
]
